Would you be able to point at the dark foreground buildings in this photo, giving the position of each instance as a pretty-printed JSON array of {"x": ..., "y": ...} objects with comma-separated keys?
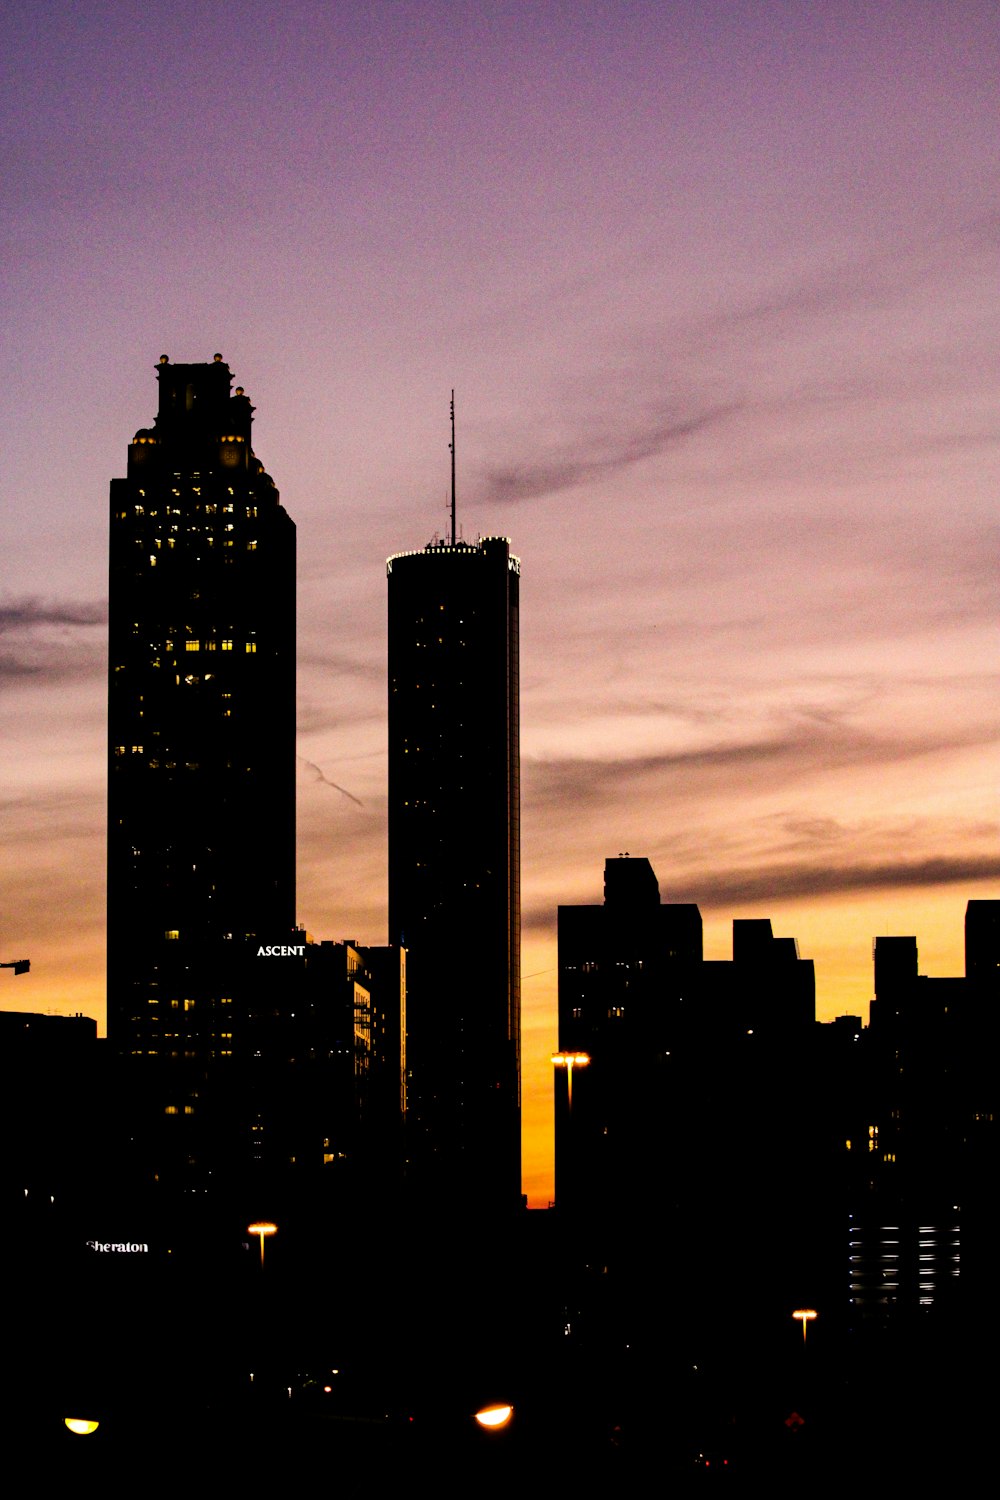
[{"x": 454, "y": 869}]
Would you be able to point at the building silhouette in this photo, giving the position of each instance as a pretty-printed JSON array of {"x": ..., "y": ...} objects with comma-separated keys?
[
  {"x": 627, "y": 977},
  {"x": 201, "y": 718},
  {"x": 454, "y": 869}
]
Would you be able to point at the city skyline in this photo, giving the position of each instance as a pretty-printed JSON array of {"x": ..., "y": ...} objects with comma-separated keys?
[{"x": 717, "y": 293}]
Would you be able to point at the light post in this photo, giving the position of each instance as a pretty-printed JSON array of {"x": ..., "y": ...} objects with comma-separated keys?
[
  {"x": 262, "y": 1228},
  {"x": 805, "y": 1316},
  {"x": 569, "y": 1061}
]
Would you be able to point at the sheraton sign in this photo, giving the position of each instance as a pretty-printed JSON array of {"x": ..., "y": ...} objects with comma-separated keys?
[{"x": 111, "y": 1247}]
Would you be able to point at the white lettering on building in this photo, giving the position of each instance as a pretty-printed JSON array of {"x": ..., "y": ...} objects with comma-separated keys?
[{"x": 110, "y": 1248}]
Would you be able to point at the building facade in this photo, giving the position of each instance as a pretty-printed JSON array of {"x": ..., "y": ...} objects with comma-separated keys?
[
  {"x": 454, "y": 860},
  {"x": 201, "y": 717}
]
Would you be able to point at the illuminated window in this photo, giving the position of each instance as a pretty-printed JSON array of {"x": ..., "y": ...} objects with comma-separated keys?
[
  {"x": 192, "y": 645},
  {"x": 251, "y": 546},
  {"x": 173, "y": 934},
  {"x": 251, "y": 646},
  {"x": 227, "y": 645}
]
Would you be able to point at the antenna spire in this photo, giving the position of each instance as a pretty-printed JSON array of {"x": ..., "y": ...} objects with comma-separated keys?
[{"x": 451, "y": 446}]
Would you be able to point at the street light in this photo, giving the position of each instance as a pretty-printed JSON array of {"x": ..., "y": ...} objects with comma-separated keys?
[
  {"x": 569, "y": 1061},
  {"x": 262, "y": 1228},
  {"x": 19, "y": 965},
  {"x": 805, "y": 1316},
  {"x": 494, "y": 1417}
]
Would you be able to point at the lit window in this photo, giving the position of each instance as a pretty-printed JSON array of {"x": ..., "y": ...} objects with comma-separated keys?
[
  {"x": 227, "y": 645},
  {"x": 251, "y": 646},
  {"x": 172, "y": 935},
  {"x": 192, "y": 645}
]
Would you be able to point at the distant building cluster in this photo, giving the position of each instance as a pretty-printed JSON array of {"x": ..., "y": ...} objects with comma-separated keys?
[{"x": 703, "y": 1097}]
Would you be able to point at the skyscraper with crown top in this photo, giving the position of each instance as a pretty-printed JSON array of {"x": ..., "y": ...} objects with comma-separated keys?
[{"x": 201, "y": 767}]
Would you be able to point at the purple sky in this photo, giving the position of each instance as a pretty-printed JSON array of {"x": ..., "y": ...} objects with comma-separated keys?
[{"x": 717, "y": 287}]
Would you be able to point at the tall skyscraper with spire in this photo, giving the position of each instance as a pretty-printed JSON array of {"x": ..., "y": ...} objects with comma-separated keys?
[
  {"x": 201, "y": 769},
  {"x": 454, "y": 858}
]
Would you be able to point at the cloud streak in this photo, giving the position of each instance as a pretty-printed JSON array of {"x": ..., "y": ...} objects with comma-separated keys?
[
  {"x": 26, "y": 614},
  {"x": 594, "y": 456},
  {"x": 789, "y": 882}
]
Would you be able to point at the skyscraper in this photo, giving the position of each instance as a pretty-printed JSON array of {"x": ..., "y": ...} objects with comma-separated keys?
[
  {"x": 454, "y": 860},
  {"x": 201, "y": 717}
]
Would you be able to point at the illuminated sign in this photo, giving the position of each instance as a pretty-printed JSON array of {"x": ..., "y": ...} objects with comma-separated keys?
[
  {"x": 109, "y": 1248},
  {"x": 279, "y": 950}
]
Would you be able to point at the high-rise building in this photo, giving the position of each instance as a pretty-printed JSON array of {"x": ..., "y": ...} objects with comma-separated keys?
[
  {"x": 628, "y": 977},
  {"x": 454, "y": 868},
  {"x": 201, "y": 766}
]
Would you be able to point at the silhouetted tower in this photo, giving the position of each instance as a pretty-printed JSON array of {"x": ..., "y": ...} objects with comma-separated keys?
[
  {"x": 628, "y": 975},
  {"x": 454, "y": 859},
  {"x": 982, "y": 945},
  {"x": 201, "y": 717}
]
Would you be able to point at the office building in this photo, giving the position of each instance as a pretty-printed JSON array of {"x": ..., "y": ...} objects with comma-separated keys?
[
  {"x": 454, "y": 879},
  {"x": 201, "y": 717},
  {"x": 628, "y": 981}
]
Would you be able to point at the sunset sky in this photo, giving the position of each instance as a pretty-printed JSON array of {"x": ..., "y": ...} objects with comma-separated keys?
[{"x": 716, "y": 285}]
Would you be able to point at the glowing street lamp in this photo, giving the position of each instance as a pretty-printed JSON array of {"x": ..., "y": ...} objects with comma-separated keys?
[
  {"x": 82, "y": 1426},
  {"x": 494, "y": 1417},
  {"x": 569, "y": 1061},
  {"x": 262, "y": 1228},
  {"x": 805, "y": 1316}
]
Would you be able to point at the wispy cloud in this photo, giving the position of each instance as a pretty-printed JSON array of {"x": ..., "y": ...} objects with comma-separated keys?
[
  {"x": 554, "y": 785},
  {"x": 24, "y": 614},
  {"x": 594, "y": 454},
  {"x": 734, "y": 888},
  {"x": 45, "y": 637}
]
